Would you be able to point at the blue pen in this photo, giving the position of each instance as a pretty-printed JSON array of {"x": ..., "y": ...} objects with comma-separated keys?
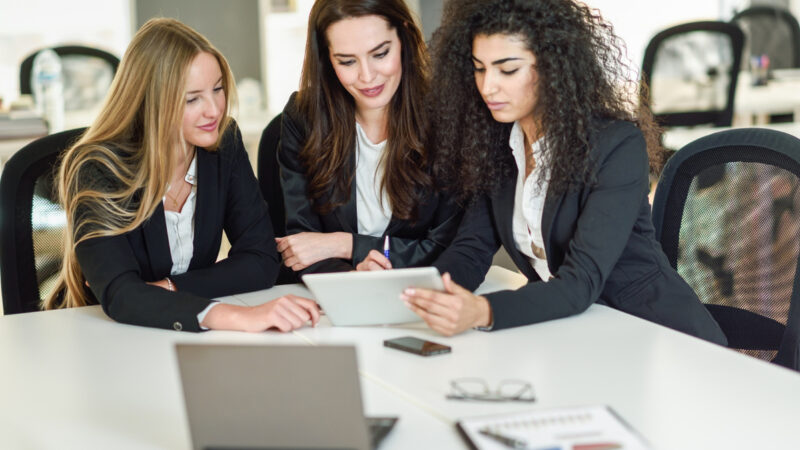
[{"x": 386, "y": 247}]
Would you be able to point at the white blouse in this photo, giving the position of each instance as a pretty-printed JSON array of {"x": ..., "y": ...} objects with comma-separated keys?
[
  {"x": 529, "y": 200},
  {"x": 180, "y": 225},
  {"x": 180, "y": 232},
  {"x": 373, "y": 214}
]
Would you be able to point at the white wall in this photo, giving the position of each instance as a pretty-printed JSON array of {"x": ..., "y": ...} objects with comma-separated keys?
[{"x": 27, "y": 25}]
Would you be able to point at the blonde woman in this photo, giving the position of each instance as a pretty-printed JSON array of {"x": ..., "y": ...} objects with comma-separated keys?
[{"x": 151, "y": 185}]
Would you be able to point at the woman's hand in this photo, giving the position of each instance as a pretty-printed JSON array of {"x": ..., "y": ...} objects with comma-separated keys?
[
  {"x": 283, "y": 313},
  {"x": 449, "y": 312},
  {"x": 374, "y": 261},
  {"x": 304, "y": 249}
]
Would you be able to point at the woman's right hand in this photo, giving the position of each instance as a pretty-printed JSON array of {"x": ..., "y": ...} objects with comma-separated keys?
[
  {"x": 284, "y": 313},
  {"x": 375, "y": 260}
]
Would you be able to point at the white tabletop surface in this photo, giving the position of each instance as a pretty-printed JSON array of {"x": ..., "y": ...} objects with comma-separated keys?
[{"x": 75, "y": 379}]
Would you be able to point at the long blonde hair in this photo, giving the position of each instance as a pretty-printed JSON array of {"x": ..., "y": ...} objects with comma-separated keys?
[{"x": 113, "y": 179}]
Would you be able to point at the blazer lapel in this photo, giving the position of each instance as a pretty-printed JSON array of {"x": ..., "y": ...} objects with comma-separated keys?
[
  {"x": 205, "y": 209},
  {"x": 347, "y": 213},
  {"x": 503, "y": 211},
  {"x": 157, "y": 243},
  {"x": 551, "y": 204}
]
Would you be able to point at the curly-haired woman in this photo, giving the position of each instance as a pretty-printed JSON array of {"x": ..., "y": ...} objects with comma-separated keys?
[{"x": 535, "y": 128}]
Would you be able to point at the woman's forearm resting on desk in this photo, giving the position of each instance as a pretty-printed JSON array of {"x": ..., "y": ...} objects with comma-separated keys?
[
  {"x": 304, "y": 249},
  {"x": 284, "y": 313}
]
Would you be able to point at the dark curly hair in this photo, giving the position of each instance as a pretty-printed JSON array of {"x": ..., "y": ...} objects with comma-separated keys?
[{"x": 582, "y": 83}]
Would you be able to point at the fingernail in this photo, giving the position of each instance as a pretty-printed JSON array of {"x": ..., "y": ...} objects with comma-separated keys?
[
  {"x": 403, "y": 297},
  {"x": 409, "y": 291},
  {"x": 405, "y": 301}
]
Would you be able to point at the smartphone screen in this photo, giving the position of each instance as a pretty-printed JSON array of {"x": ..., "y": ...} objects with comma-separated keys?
[{"x": 416, "y": 346}]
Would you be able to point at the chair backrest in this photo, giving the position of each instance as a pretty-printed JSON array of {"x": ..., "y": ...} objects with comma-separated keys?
[
  {"x": 32, "y": 223},
  {"x": 727, "y": 214},
  {"x": 269, "y": 179},
  {"x": 87, "y": 74},
  {"x": 770, "y": 31},
  {"x": 691, "y": 71}
]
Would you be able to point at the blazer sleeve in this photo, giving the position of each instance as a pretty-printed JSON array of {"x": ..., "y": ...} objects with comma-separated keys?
[
  {"x": 603, "y": 228},
  {"x": 468, "y": 257},
  {"x": 300, "y": 216},
  {"x": 414, "y": 252},
  {"x": 114, "y": 277},
  {"x": 252, "y": 263}
]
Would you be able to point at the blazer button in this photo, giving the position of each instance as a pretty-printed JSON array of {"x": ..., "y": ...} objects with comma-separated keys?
[{"x": 177, "y": 326}]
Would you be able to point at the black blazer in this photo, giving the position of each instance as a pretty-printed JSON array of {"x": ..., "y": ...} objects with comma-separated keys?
[
  {"x": 412, "y": 244},
  {"x": 228, "y": 198},
  {"x": 600, "y": 246}
]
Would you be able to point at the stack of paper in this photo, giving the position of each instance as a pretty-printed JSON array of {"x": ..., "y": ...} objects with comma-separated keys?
[
  {"x": 579, "y": 428},
  {"x": 21, "y": 124}
]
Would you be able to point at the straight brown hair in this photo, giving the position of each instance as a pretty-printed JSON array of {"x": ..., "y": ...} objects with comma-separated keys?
[{"x": 330, "y": 110}]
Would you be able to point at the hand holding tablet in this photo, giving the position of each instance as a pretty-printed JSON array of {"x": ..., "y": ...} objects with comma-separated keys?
[{"x": 372, "y": 297}]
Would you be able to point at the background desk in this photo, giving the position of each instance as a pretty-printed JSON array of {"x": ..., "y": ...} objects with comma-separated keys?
[
  {"x": 676, "y": 138},
  {"x": 75, "y": 379}
]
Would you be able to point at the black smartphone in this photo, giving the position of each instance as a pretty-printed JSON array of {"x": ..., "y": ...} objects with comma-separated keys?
[{"x": 416, "y": 346}]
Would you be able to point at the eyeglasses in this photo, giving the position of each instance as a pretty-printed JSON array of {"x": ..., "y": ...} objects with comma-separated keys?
[{"x": 477, "y": 389}]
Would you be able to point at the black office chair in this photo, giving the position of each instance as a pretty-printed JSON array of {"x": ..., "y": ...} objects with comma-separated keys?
[
  {"x": 87, "y": 74},
  {"x": 770, "y": 31},
  {"x": 31, "y": 223},
  {"x": 691, "y": 72},
  {"x": 269, "y": 179},
  {"x": 734, "y": 236}
]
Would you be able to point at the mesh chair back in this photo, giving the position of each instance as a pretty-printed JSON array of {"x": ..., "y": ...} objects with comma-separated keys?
[
  {"x": 269, "y": 179},
  {"x": 727, "y": 214},
  {"x": 770, "y": 31},
  {"x": 691, "y": 71},
  {"x": 31, "y": 223},
  {"x": 87, "y": 75}
]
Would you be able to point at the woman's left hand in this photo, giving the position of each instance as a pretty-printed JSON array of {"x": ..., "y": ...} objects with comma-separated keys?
[
  {"x": 304, "y": 249},
  {"x": 449, "y": 312}
]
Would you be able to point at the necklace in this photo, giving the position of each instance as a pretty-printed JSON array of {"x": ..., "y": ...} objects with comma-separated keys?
[{"x": 179, "y": 194}]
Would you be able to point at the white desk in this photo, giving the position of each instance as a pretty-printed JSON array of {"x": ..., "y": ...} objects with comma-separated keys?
[
  {"x": 754, "y": 104},
  {"x": 75, "y": 379}
]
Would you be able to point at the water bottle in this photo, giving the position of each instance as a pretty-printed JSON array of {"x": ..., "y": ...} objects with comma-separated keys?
[{"x": 48, "y": 88}]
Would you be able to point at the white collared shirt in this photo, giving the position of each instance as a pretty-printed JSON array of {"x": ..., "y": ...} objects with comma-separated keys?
[
  {"x": 373, "y": 214},
  {"x": 529, "y": 200},
  {"x": 180, "y": 232},
  {"x": 180, "y": 225}
]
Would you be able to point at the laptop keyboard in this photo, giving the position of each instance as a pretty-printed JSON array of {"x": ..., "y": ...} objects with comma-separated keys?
[{"x": 378, "y": 428}]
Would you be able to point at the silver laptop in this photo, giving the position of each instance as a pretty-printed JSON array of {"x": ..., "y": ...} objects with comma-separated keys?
[
  {"x": 275, "y": 397},
  {"x": 370, "y": 298}
]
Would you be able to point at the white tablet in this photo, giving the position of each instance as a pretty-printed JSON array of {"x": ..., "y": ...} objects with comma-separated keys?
[{"x": 370, "y": 298}]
